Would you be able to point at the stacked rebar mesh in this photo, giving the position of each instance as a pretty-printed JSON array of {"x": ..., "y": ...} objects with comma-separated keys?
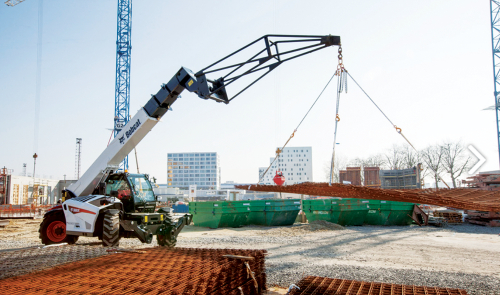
[
  {"x": 460, "y": 198},
  {"x": 328, "y": 286},
  {"x": 156, "y": 271}
]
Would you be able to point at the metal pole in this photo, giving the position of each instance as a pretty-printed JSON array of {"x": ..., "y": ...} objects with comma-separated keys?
[
  {"x": 34, "y": 169},
  {"x": 302, "y": 216}
]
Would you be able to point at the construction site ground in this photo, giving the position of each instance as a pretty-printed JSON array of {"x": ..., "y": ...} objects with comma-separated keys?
[{"x": 459, "y": 256}]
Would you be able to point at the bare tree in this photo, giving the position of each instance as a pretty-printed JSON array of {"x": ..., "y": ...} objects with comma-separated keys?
[
  {"x": 377, "y": 160},
  {"x": 455, "y": 159},
  {"x": 433, "y": 157},
  {"x": 394, "y": 157},
  {"x": 409, "y": 157}
]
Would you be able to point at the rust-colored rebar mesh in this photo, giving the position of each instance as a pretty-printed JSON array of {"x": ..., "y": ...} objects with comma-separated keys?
[
  {"x": 158, "y": 271},
  {"x": 28, "y": 260},
  {"x": 319, "y": 285},
  {"x": 460, "y": 198}
]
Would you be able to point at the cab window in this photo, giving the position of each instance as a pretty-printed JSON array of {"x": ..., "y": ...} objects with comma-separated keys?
[{"x": 142, "y": 189}]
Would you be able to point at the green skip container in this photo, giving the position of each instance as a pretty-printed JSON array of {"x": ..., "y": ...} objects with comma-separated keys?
[
  {"x": 220, "y": 213},
  {"x": 273, "y": 212},
  {"x": 389, "y": 213},
  {"x": 340, "y": 211}
]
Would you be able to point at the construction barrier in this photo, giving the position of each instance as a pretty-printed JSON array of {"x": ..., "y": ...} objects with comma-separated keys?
[{"x": 23, "y": 211}]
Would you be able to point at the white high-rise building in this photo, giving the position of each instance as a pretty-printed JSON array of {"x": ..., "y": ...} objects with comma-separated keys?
[
  {"x": 202, "y": 169},
  {"x": 294, "y": 162}
]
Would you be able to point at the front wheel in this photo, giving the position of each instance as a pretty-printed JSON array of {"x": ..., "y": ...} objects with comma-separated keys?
[
  {"x": 164, "y": 237},
  {"x": 111, "y": 229},
  {"x": 53, "y": 230},
  {"x": 163, "y": 241}
]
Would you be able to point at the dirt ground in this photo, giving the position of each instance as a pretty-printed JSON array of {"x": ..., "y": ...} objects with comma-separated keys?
[{"x": 468, "y": 249}]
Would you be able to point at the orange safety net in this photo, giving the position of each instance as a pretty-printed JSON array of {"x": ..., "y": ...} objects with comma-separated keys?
[{"x": 459, "y": 198}]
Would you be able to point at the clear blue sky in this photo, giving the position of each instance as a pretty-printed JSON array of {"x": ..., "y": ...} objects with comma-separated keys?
[{"x": 427, "y": 63}]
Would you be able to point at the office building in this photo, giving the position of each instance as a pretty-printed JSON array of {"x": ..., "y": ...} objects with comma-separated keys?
[
  {"x": 185, "y": 169},
  {"x": 294, "y": 162}
]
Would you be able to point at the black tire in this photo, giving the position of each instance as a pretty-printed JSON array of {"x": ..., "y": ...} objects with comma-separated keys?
[
  {"x": 111, "y": 229},
  {"x": 71, "y": 240},
  {"x": 164, "y": 236},
  {"x": 53, "y": 230},
  {"x": 164, "y": 241}
]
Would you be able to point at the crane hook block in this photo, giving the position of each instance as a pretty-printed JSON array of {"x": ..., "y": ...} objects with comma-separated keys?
[{"x": 279, "y": 179}]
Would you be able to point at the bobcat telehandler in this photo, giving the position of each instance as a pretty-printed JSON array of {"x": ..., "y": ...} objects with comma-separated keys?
[{"x": 111, "y": 204}]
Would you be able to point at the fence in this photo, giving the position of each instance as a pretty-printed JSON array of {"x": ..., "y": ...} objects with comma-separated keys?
[{"x": 23, "y": 211}]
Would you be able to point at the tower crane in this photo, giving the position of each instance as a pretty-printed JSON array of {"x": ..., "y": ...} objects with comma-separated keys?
[
  {"x": 122, "y": 77},
  {"x": 495, "y": 42}
]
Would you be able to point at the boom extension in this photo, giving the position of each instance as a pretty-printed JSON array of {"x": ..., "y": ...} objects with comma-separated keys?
[{"x": 264, "y": 61}]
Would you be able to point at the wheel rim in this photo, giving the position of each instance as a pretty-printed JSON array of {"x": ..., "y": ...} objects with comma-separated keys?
[{"x": 56, "y": 231}]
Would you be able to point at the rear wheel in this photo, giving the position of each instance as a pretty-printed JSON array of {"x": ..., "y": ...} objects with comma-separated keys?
[
  {"x": 53, "y": 230},
  {"x": 111, "y": 229}
]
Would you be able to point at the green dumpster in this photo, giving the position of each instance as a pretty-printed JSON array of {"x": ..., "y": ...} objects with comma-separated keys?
[
  {"x": 340, "y": 211},
  {"x": 273, "y": 212},
  {"x": 400, "y": 213},
  {"x": 375, "y": 215},
  {"x": 389, "y": 213},
  {"x": 257, "y": 209},
  {"x": 320, "y": 210},
  {"x": 353, "y": 211},
  {"x": 220, "y": 213}
]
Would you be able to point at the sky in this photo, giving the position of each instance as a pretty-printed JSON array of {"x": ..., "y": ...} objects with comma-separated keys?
[{"x": 427, "y": 64}]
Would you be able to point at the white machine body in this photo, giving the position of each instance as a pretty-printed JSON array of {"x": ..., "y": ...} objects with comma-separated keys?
[
  {"x": 128, "y": 138},
  {"x": 81, "y": 213}
]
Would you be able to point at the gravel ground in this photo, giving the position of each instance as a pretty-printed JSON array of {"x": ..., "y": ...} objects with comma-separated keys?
[{"x": 462, "y": 256}]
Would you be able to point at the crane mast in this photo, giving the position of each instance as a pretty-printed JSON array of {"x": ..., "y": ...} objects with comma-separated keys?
[
  {"x": 122, "y": 81},
  {"x": 495, "y": 42}
]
